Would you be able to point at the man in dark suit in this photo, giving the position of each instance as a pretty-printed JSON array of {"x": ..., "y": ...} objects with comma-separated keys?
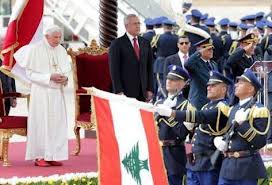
[
  {"x": 8, "y": 85},
  {"x": 179, "y": 59},
  {"x": 130, "y": 59},
  {"x": 199, "y": 65}
]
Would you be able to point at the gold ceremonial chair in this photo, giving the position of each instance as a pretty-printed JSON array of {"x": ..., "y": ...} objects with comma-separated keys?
[
  {"x": 9, "y": 125},
  {"x": 90, "y": 69}
]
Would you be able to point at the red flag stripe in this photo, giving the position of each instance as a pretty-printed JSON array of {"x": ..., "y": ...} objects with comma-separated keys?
[
  {"x": 155, "y": 160},
  {"x": 109, "y": 165},
  {"x": 21, "y": 30}
]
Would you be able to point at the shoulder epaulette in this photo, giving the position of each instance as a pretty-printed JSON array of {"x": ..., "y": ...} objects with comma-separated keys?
[
  {"x": 255, "y": 113},
  {"x": 233, "y": 47},
  {"x": 155, "y": 40},
  {"x": 266, "y": 42}
]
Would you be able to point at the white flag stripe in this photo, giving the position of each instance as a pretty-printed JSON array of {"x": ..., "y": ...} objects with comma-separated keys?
[
  {"x": 17, "y": 9},
  {"x": 129, "y": 130},
  {"x": 120, "y": 98}
]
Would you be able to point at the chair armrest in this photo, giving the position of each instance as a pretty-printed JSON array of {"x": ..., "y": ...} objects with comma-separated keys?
[
  {"x": 83, "y": 91},
  {"x": 15, "y": 95}
]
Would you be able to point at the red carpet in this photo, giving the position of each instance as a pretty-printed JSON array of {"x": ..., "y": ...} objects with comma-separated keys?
[{"x": 85, "y": 162}]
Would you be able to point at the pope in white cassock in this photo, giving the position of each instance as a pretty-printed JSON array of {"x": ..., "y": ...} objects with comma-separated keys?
[{"x": 47, "y": 65}]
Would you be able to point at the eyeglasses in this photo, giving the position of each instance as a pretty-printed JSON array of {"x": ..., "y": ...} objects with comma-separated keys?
[{"x": 181, "y": 43}]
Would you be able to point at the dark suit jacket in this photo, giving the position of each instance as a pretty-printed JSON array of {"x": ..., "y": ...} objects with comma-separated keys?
[
  {"x": 128, "y": 74},
  {"x": 199, "y": 72}
]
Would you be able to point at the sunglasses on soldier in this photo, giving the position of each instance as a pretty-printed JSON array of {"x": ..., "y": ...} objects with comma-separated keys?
[{"x": 181, "y": 43}]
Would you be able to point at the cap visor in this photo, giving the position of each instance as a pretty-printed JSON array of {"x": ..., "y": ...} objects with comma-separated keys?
[
  {"x": 213, "y": 82},
  {"x": 172, "y": 77}
]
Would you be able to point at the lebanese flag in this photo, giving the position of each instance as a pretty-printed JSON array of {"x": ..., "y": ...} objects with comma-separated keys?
[
  {"x": 128, "y": 148},
  {"x": 25, "y": 27}
]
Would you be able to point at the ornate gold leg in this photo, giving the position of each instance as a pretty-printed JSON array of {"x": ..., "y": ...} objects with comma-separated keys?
[
  {"x": 5, "y": 151},
  {"x": 78, "y": 145}
]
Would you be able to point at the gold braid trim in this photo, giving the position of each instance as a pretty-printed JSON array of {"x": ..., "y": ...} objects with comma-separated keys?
[
  {"x": 259, "y": 112},
  {"x": 233, "y": 47},
  {"x": 252, "y": 136},
  {"x": 154, "y": 41},
  {"x": 246, "y": 135}
]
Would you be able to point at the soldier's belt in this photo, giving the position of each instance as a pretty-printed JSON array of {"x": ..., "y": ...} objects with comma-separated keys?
[
  {"x": 171, "y": 142},
  {"x": 240, "y": 154},
  {"x": 203, "y": 154}
]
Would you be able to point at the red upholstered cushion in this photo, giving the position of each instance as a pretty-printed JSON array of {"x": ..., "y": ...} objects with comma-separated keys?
[
  {"x": 85, "y": 116},
  {"x": 85, "y": 103},
  {"x": 93, "y": 71},
  {"x": 9, "y": 122}
]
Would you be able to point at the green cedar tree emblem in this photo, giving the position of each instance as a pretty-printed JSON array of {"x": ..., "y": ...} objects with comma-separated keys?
[{"x": 133, "y": 164}]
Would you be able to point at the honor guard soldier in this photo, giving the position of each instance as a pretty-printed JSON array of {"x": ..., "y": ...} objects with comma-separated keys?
[
  {"x": 243, "y": 164},
  {"x": 200, "y": 169},
  {"x": 150, "y": 33},
  {"x": 172, "y": 139},
  {"x": 218, "y": 45},
  {"x": 267, "y": 40},
  {"x": 243, "y": 57},
  {"x": 199, "y": 65},
  {"x": 167, "y": 43},
  {"x": 166, "y": 46},
  {"x": 225, "y": 37},
  {"x": 249, "y": 122},
  {"x": 233, "y": 31},
  {"x": 195, "y": 21}
]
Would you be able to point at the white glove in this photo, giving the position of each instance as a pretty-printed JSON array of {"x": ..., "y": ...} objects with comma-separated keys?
[
  {"x": 241, "y": 115},
  {"x": 189, "y": 125},
  {"x": 169, "y": 102},
  {"x": 220, "y": 144},
  {"x": 163, "y": 110}
]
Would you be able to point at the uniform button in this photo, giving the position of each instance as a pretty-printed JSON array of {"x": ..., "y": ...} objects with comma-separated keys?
[
  {"x": 230, "y": 141},
  {"x": 252, "y": 146},
  {"x": 229, "y": 147},
  {"x": 196, "y": 128},
  {"x": 195, "y": 134},
  {"x": 193, "y": 145},
  {"x": 194, "y": 139}
]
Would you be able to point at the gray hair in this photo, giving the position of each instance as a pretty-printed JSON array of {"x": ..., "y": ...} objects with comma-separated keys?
[
  {"x": 127, "y": 17},
  {"x": 51, "y": 29}
]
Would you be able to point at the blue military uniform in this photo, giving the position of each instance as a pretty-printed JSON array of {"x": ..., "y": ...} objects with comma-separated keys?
[
  {"x": 243, "y": 164},
  {"x": 150, "y": 33},
  {"x": 166, "y": 45},
  {"x": 238, "y": 61},
  {"x": 172, "y": 139},
  {"x": 212, "y": 122},
  {"x": 225, "y": 38},
  {"x": 218, "y": 46},
  {"x": 267, "y": 40},
  {"x": 199, "y": 72}
]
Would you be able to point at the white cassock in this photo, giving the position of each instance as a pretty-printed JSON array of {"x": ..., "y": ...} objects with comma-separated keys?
[{"x": 47, "y": 128}]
